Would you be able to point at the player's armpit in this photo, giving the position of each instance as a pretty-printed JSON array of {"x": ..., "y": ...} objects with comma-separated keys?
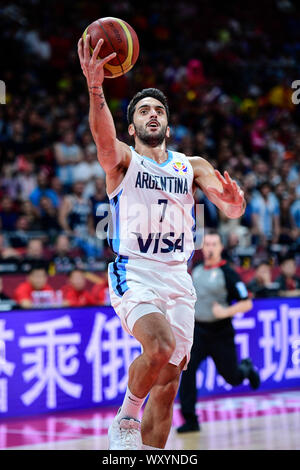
[{"x": 116, "y": 170}]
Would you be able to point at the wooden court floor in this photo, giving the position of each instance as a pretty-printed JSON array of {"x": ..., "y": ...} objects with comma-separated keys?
[{"x": 268, "y": 421}]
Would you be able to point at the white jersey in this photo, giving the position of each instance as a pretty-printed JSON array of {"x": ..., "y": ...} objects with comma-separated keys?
[{"x": 153, "y": 210}]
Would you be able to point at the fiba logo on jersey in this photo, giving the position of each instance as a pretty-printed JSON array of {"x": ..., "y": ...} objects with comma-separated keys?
[{"x": 180, "y": 168}]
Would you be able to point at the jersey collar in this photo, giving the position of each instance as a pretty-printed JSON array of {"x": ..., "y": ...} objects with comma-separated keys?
[{"x": 170, "y": 156}]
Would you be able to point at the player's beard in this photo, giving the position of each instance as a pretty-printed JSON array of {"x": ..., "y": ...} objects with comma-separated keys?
[{"x": 150, "y": 139}]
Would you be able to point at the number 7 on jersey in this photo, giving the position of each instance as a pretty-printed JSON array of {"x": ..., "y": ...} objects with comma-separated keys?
[{"x": 165, "y": 202}]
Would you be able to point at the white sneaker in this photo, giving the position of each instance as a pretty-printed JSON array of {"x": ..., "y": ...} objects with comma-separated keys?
[{"x": 125, "y": 434}]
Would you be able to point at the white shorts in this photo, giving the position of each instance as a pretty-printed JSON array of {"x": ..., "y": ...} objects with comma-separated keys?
[{"x": 141, "y": 287}]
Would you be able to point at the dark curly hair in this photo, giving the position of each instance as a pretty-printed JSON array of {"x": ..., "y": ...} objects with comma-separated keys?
[{"x": 152, "y": 93}]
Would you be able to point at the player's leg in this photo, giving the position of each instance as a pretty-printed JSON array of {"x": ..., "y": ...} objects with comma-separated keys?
[
  {"x": 158, "y": 413},
  {"x": 157, "y": 339}
]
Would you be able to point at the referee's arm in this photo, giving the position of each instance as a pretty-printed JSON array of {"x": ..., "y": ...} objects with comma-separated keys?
[
  {"x": 236, "y": 291},
  {"x": 239, "y": 307}
]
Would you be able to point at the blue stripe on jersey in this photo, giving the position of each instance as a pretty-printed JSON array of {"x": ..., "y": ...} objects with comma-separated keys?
[
  {"x": 194, "y": 218},
  {"x": 117, "y": 271},
  {"x": 114, "y": 241}
]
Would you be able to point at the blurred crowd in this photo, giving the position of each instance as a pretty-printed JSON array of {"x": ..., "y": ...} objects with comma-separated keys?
[{"x": 227, "y": 71}]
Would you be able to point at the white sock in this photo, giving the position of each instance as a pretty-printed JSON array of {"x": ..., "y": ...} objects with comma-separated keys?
[
  {"x": 145, "y": 447},
  {"x": 131, "y": 406}
]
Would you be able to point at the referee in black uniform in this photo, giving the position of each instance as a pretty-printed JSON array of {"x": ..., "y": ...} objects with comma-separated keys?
[{"x": 217, "y": 285}]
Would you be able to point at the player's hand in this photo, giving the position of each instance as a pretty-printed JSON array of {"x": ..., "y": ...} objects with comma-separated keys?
[
  {"x": 219, "y": 311},
  {"x": 231, "y": 194},
  {"x": 92, "y": 67}
]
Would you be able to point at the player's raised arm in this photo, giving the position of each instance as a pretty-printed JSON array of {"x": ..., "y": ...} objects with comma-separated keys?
[
  {"x": 222, "y": 191},
  {"x": 111, "y": 152}
]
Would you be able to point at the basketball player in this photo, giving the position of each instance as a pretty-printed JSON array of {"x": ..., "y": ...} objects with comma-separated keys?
[{"x": 150, "y": 287}]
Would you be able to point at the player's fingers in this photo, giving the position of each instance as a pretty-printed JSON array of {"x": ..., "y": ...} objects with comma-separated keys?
[
  {"x": 235, "y": 186},
  {"x": 107, "y": 59},
  {"x": 241, "y": 194},
  {"x": 97, "y": 50},
  {"x": 237, "y": 190},
  {"x": 80, "y": 49},
  {"x": 227, "y": 178},
  {"x": 220, "y": 177},
  {"x": 86, "y": 48}
]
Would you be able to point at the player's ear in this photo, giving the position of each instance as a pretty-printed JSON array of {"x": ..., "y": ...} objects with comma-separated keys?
[
  {"x": 131, "y": 129},
  {"x": 168, "y": 132}
]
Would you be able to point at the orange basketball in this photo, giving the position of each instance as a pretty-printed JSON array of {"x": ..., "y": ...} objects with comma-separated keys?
[{"x": 118, "y": 37}]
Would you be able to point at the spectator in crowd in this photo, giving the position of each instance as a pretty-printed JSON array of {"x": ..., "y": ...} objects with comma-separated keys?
[
  {"x": 97, "y": 199},
  {"x": 75, "y": 213},
  {"x": 289, "y": 282},
  {"x": 35, "y": 291},
  {"x": 295, "y": 215},
  {"x": 49, "y": 217},
  {"x": 230, "y": 253},
  {"x": 76, "y": 219},
  {"x": 64, "y": 256},
  {"x": 89, "y": 169},
  {"x": 32, "y": 215},
  {"x": 34, "y": 250},
  {"x": 265, "y": 214},
  {"x": 8, "y": 181},
  {"x": 26, "y": 179},
  {"x": 286, "y": 232},
  {"x": 261, "y": 285},
  {"x": 43, "y": 189},
  {"x": 20, "y": 237},
  {"x": 67, "y": 154},
  {"x": 17, "y": 139},
  {"x": 6, "y": 251},
  {"x": 57, "y": 187},
  {"x": 178, "y": 130},
  {"x": 86, "y": 139},
  {"x": 8, "y": 216},
  {"x": 62, "y": 246},
  {"x": 75, "y": 293}
]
